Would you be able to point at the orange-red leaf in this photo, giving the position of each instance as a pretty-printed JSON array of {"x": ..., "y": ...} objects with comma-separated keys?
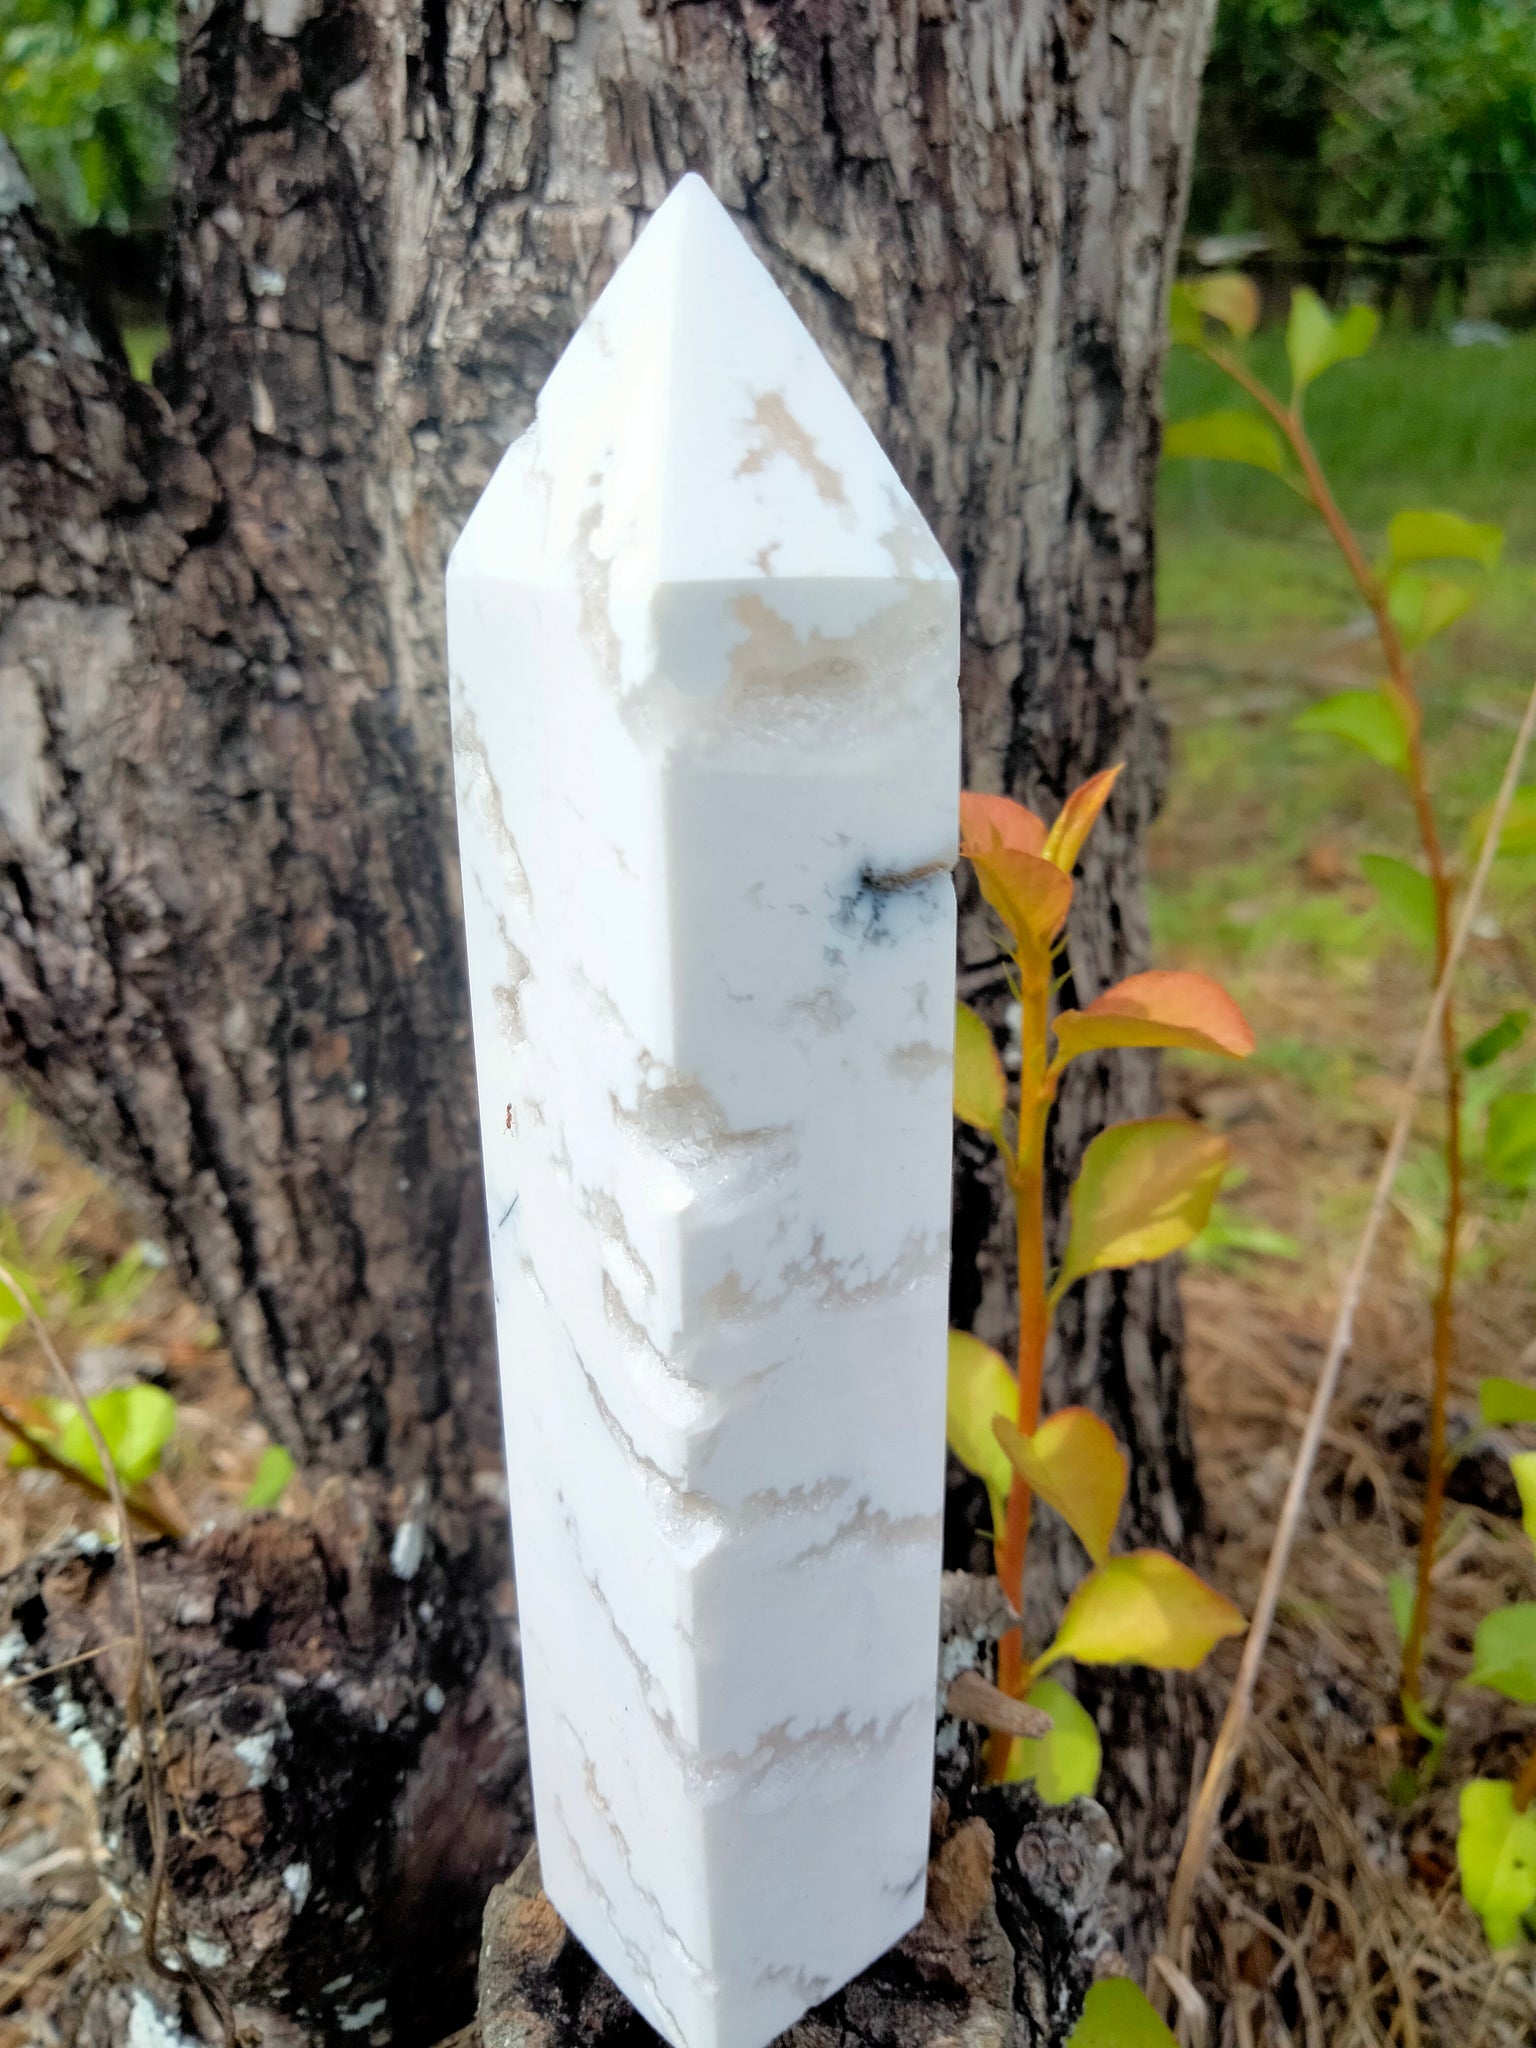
[
  {"x": 1064, "y": 841},
  {"x": 1158, "y": 1008},
  {"x": 1148, "y": 1609},
  {"x": 989, "y": 822},
  {"x": 1074, "y": 1464},
  {"x": 1030, "y": 895}
]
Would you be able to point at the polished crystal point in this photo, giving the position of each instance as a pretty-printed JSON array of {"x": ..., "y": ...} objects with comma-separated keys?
[{"x": 703, "y": 658}]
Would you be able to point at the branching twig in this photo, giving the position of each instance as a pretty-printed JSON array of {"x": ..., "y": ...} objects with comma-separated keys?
[
  {"x": 1373, "y": 588},
  {"x": 1205, "y": 1811},
  {"x": 141, "y": 1680}
]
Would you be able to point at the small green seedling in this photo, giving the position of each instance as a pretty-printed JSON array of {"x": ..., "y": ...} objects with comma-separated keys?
[
  {"x": 1428, "y": 574},
  {"x": 1144, "y": 1189},
  {"x": 136, "y": 1424}
]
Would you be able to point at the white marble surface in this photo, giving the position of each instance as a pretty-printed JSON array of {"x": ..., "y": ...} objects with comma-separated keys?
[{"x": 704, "y": 654}]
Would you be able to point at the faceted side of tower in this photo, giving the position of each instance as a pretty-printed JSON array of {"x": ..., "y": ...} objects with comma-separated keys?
[{"x": 703, "y": 656}]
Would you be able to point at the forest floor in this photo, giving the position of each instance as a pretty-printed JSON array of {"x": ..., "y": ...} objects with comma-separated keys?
[{"x": 1333, "y": 1919}]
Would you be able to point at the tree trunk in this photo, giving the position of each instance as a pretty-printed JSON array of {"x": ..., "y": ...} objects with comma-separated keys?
[{"x": 229, "y": 957}]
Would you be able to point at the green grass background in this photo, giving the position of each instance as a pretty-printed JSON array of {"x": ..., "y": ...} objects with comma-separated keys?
[{"x": 1255, "y": 861}]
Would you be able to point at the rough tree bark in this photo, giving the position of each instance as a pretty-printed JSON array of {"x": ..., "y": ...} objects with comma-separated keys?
[{"x": 228, "y": 935}]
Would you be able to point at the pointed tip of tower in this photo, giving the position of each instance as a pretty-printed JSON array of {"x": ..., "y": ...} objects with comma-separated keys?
[
  {"x": 691, "y": 248},
  {"x": 696, "y": 433},
  {"x": 693, "y": 195}
]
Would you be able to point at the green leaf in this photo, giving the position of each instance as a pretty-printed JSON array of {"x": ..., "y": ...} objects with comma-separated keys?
[
  {"x": 981, "y": 1088},
  {"x": 1184, "y": 324},
  {"x": 1509, "y": 1150},
  {"x": 1497, "y": 1039},
  {"x": 1368, "y": 719},
  {"x": 1407, "y": 896},
  {"x": 1401, "y": 1594},
  {"x": 1226, "y": 436},
  {"x": 1145, "y": 1608},
  {"x": 1423, "y": 1724},
  {"x": 136, "y": 1424},
  {"x": 1227, "y": 296},
  {"x": 1353, "y": 334},
  {"x": 1074, "y": 1464},
  {"x": 1442, "y": 536},
  {"x": 1502, "y": 1401},
  {"x": 1496, "y": 1855},
  {"x": 1523, "y": 1466},
  {"x": 980, "y": 1387},
  {"x": 1064, "y": 1764},
  {"x": 1232, "y": 299},
  {"x": 125, "y": 1281},
  {"x": 1422, "y": 606},
  {"x": 1117, "y": 2014},
  {"x": 1145, "y": 1189},
  {"x": 12, "y": 1314},
  {"x": 1229, "y": 1238},
  {"x": 143, "y": 346},
  {"x": 1308, "y": 337},
  {"x": 1315, "y": 341},
  {"x": 1518, "y": 832},
  {"x": 1504, "y": 1652},
  {"x": 272, "y": 1476}
]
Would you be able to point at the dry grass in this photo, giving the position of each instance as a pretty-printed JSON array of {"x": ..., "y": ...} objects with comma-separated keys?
[
  {"x": 1332, "y": 1918},
  {"x": 64, "y": 1231}
]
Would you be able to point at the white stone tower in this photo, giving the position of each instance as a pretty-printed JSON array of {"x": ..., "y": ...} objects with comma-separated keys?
[{"x": 704, "y": 655}]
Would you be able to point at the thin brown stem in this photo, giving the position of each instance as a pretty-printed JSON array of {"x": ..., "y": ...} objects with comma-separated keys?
[
  {"x": 66, "y": 1663},
  {"x": 1028, "y": 1182},
  {"x": 1440, "y": 1396},
  {"x": 1014, "y": 1548},
  {"x": 1525, "y": 1784},
  {"x": 1400, "y": 677}
]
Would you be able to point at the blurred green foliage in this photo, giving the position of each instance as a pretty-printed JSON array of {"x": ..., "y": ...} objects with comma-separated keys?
[
  {"x": 88, "y": 102},
  {"x": 1376, "y": 122},
  {"x": 1257, "y": 865},
  {"x": 1370, "y": 123}
]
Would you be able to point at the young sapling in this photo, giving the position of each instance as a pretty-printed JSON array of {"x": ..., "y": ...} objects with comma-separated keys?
[{"x": 1144, "y": 1189}]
